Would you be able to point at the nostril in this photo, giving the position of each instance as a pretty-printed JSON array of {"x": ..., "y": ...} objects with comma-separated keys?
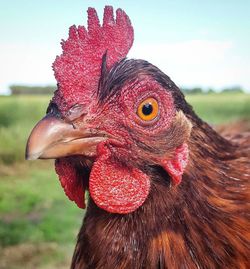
[{"x": 75, "y": 112}]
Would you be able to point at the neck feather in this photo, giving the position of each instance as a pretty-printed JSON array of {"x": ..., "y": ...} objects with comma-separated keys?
[{"x": 202, "y": 223}]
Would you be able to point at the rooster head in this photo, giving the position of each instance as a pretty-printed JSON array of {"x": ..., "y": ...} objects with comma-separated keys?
[{"x": 111, "y": 120}]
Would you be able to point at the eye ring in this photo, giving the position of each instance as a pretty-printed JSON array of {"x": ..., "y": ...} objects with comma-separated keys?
[{"x": 148, "y": 109}]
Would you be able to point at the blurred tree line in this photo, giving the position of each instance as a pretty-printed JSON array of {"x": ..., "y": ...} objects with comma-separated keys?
[
  {"x": 32, "y": 90},
  {"x": 199, "y": 90}
]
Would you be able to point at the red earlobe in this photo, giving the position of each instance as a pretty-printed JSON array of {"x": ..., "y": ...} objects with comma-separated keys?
[{"x": 176, "y": 166}]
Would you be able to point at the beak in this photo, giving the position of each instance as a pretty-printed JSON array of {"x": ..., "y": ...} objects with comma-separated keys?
[{"x": 53, "y": 138}]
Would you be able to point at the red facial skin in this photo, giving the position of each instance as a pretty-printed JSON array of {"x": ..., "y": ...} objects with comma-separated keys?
[{"x": 116, "y": 183}]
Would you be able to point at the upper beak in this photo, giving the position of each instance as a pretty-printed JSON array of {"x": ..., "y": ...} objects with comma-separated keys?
[{"x": 53, "y": 138}]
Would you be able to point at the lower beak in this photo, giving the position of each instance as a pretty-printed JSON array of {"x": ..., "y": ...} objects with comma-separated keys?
[{"x": 53, "y": 138}]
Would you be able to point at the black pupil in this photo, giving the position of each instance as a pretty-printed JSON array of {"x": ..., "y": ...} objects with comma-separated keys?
[{"x": 147, "y": 109}]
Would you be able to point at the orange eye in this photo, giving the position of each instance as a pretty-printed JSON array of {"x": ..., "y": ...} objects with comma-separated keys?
[{"x": 148, "y": 109}]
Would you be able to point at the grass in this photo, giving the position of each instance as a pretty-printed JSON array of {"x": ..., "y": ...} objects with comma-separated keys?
[
  {"x": 35, "y": 211},
  {"x": 34, "y": 203},
  {"x": 38, "y": 224}
]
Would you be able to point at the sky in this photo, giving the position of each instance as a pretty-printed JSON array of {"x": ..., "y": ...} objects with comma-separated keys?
[{"x": 197, "y": 43}]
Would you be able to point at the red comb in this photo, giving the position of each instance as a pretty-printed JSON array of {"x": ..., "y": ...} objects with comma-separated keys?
[{"x": 77, "y": 69}]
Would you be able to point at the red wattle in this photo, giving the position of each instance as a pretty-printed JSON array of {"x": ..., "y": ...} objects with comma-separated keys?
[
  {"x": 176, "y": 166},
  {"x": 70, "y": 181},
  {"x": 117, "y": 188}
]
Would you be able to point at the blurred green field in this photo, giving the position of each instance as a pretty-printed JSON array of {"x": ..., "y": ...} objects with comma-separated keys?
[
  {"x": 17, "y": 116},
  {"x": 221, "y": 108},
  {"x": 38, "y": 224}
]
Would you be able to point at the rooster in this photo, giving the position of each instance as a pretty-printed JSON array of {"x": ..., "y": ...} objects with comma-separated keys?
[{"x": 166, "y": 190}]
